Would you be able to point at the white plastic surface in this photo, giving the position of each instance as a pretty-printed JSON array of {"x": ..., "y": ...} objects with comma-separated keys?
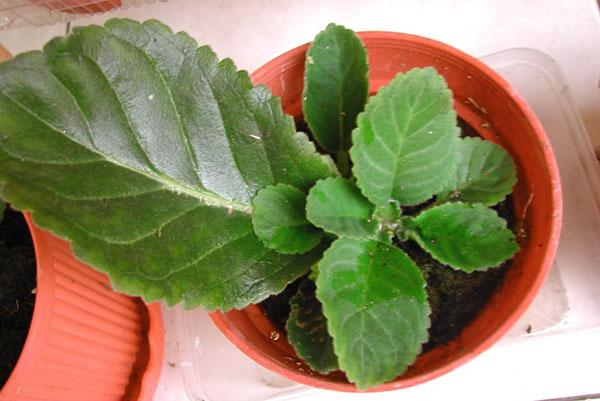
[{"x": 567, "y": 308}]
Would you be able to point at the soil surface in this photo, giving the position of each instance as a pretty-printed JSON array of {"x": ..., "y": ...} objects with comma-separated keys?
[
  {"x": 17, "y": 289},
  {"x": 455, "y": 297}
]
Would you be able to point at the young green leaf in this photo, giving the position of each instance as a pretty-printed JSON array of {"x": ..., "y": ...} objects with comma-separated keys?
[
  {"x": 307, "y": 330},
  {"x": 335, "y": 87},
  {"x": 405, "y": 143},
  {"x": 337, "y": 206},
  {"x": 145, "y": 151},
  {"x": 485, "y": 173},
  {"x": 279, "y": 220},
  {"x": 374, "y": 298},
  {"x": 466, "y": 237}
]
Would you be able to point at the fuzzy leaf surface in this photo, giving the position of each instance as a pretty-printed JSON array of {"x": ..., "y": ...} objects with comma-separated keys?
[
  {"x": 307, "y": 330},
  {"x": 485, "y": 173},
  {"x": 404, "y": 148},
  {"x": 374, "y": 299},
  {"x": 335, "y": 86},
  {"x": 144, "y": 151},
  {"x": 279, "y": 220},
  {"x": 466, "y": 237},
  {"x": 337, "y": 206}
]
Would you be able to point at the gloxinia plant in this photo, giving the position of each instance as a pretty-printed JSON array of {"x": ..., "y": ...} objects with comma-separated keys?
[{"x": 167, "y": 169}]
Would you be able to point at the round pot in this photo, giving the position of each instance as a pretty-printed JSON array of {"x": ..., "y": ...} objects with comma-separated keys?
[
  {"x": 488, "y": 104},
  {"x": 79, "y": 6},
  {"x": 85, "y": 342}
]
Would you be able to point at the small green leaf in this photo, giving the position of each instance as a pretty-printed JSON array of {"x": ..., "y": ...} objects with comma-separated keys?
[
  {"x": 374, "y": 298},
  {"x": 466, "y": 237},
  {"x": 337, "y": 206},
  {"x": 405, "y": 143},
  {"x": 390, "y": 212},
  {"x": 335, "y": 86},
  {"x": 279, "y": 220},
  {"x": 485, "y": 173},
  {"x": 307, "y": 330}
]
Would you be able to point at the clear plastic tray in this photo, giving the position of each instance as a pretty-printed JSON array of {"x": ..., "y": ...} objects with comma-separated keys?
[
  {"x": 214, "y": 370},
  {"x": 17, "y": 13}
]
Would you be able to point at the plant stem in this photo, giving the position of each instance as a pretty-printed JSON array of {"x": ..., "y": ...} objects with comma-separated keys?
[{"x": 343, "y": 163}]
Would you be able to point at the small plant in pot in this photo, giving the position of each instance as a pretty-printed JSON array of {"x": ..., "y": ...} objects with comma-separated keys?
[
  {"x": 412, "y": 178},
  {"x": 168, "y": 170}
]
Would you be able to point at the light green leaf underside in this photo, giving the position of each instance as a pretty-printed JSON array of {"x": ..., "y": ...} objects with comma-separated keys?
[
  {"x": 466, "y": 237},
  {"x": 404, "y": 147},
  {"x": 375, "y": 302},
  {"x": 335, "y": 87},
  {"x": 279, "y": 220},
  {"x": 135, "y": 145},
  {"x": 307, "y": 330},
  {"x": 337, "y": 206},
  {"x": 485, "y": 173}
]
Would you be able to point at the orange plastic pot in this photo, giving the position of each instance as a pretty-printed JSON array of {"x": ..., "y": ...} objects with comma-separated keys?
[
  {"x": 488, "y": 104},
  {"x": 85, "y": 342},
  {"x": 79, "y": 6}
]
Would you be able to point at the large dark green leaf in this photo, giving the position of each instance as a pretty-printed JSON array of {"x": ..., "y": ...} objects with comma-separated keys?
[
  {"x": 337, "y": 206},
  {"x": 307, "y": 330},
  {"x": 145, "y": 152},
  {"x": 404, "y": 148},
  {"x": 335, "y": 86},
  {"x": 374, "y": 298},
  {"x": 485, "y": 173},
  {"x": 279, "y": 220},
  {"x": 466, "y": 237}
]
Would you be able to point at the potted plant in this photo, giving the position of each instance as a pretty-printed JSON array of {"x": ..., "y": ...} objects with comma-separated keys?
[
  {"x": 168, "y": 170},
  {"x": 488, "y": 108},
  {"x": 65, "y": 334}
]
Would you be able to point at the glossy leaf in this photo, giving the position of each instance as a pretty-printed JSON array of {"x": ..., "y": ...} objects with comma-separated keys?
[
  {"x": 307, "y": 330},
  {"x": 335, "y": 87},
  {"x": 337, "y": 206},
  {"x": 466, "y": 237},
  {"x": 375, "y": 302},
  {"x": 279, "y": 220},
  {"x": 485, "y": 173},
  {"x": 404, "y": 148},
  {"x": 144, "y": 151}
]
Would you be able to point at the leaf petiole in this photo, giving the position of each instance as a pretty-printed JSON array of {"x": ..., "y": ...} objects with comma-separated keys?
[{"x": 343, "y": 163}]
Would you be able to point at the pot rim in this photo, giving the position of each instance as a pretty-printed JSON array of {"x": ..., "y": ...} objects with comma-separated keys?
[{"x": 233, "y": 334}]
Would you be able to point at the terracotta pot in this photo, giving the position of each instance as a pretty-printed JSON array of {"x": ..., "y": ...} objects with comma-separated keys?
[
  {"x": 85, "y": 342},
  {"x": 79, "y": 6},
  {"x": 488, "y": 104}
]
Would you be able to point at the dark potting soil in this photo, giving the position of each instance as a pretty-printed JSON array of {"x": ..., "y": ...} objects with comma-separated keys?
[
  {"x": 455, "y": 297},
  {"x": 17, "y": 289},
  {"x": 277, "y": 307}
]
